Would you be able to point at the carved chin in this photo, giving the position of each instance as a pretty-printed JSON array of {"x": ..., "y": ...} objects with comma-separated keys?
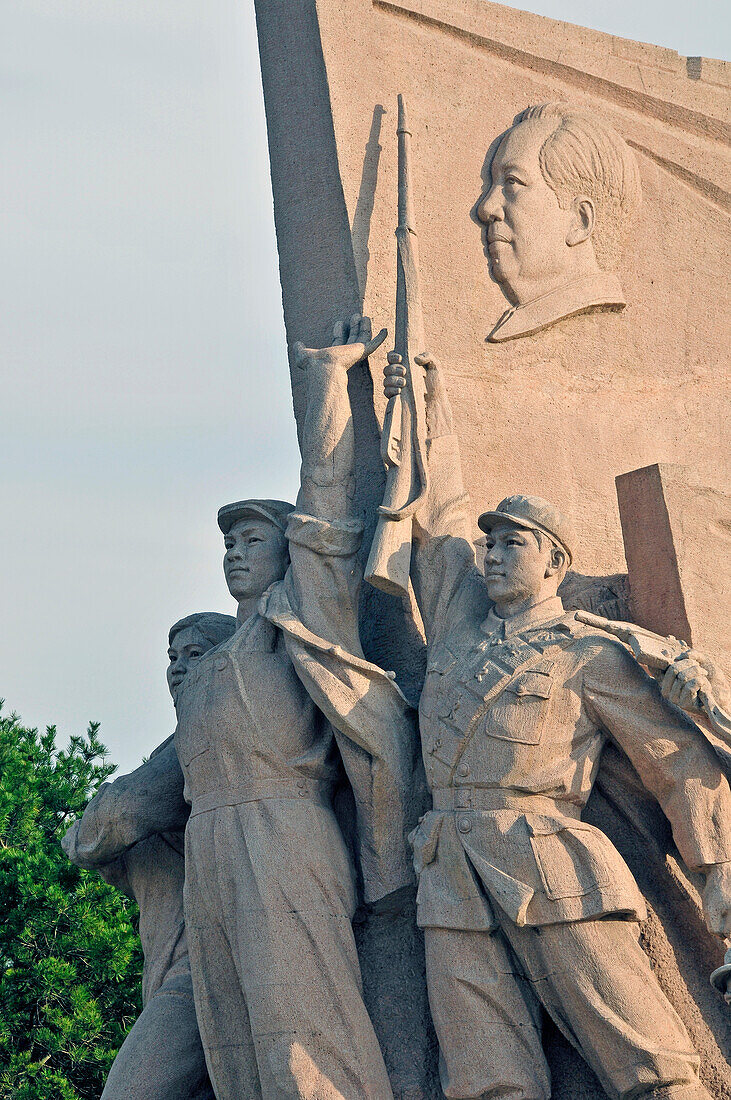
[
  {"x": 239, "y": 588},
  {"x": 497, "y": 271}
]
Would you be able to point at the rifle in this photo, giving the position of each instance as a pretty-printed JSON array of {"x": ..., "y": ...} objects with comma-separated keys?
[
  {"x": 403, "y": 439},
  {"x": 657, "y": 653}
]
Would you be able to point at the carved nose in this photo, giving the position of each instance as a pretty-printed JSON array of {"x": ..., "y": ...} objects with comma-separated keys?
[{"x": 487, "y": 210}]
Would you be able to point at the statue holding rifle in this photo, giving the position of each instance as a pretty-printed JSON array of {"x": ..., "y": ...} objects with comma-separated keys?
[{"x": 525, "y": 907}]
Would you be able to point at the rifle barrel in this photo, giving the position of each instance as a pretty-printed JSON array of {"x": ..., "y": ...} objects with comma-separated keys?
[{"x": 405, "y": 206}]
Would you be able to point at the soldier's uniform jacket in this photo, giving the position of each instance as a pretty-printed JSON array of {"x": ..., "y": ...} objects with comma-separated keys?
[{"x": 513, "y": 715}]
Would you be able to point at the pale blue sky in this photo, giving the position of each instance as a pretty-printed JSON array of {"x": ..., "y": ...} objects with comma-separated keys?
[{"x": 144, "y": 372}]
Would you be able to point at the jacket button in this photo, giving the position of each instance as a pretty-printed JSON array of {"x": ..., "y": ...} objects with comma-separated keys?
[
  {"x": 221, "y": 663},
  {"x": 463, "y": 770},
  {"x": 464, "y": 825}
]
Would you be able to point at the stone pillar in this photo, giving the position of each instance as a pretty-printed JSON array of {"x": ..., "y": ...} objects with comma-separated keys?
[{"x": 677, "y": 541}]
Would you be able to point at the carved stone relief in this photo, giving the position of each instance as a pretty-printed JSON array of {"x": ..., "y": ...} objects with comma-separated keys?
[{"x": 564, "y": 188}]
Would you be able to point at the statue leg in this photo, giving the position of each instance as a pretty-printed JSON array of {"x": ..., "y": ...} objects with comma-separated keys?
[
  {"x": 223, "y": 1015},
  {"x": 271, "y": 941},
  {"x": 596, "y": 982},
  {"x": 486, "y": 1018},
  {"x": 162, "y": 1057}
]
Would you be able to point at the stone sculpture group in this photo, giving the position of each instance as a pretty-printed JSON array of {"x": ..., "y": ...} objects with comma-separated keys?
[{"x": 289, "y": 793}]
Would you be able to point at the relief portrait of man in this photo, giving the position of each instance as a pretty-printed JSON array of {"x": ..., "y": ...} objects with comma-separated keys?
[{"x": 564, "y": 187}]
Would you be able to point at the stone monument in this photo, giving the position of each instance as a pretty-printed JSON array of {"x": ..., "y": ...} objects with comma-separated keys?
[
  {"x": 573, "y": 854},
  {"x": 608, "y": 358}
]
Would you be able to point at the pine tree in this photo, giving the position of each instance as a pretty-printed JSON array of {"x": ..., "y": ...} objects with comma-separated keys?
[{"x": 70, "y": 960}]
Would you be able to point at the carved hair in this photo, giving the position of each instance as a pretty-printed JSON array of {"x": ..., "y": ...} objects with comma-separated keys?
[
  {"x": 584, "y": 155},
  {"x": 212, "y": 626}
]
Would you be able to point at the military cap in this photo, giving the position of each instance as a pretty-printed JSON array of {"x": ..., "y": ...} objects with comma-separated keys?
[
  {"x": 275, "y": 512},
  {"x": 533, "y": 514}
]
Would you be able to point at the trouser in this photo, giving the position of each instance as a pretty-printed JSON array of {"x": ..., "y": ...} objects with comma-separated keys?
[
  {"x": 162, "y": 1057},
  {"x": 593, "y": 978},
  {"x": 275, "y": 969}
]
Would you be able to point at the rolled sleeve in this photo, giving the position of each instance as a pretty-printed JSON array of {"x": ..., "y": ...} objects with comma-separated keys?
[{"x": 337, "y": 539}]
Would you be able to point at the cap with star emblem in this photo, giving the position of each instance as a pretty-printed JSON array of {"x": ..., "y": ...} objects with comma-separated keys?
[{"x": 533, "y": 514}]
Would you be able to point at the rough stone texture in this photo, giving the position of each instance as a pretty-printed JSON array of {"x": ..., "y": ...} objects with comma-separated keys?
[
  {"x": 677, "y": 537},
  {"x": 559, "y": 413},
  {"x": 562, "y": 412}
]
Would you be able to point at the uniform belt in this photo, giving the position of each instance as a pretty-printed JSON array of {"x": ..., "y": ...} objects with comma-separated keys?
[
  {"x": 482, "y": 798},
  {"x": 316, "y": 790}
]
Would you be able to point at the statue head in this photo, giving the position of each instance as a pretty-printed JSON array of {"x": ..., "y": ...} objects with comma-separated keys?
[
  {"x": 527, "y": 551},
  {"x": 563, "y": 188},
  {"x": 190, "y": 638},
  {"x": 257, "y": 552}
]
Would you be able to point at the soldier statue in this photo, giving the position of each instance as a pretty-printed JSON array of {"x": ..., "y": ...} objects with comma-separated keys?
[{"x": 524, "y": 906}]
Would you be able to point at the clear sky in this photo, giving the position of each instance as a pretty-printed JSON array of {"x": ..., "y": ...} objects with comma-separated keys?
[{"x": 144, "y": 377}]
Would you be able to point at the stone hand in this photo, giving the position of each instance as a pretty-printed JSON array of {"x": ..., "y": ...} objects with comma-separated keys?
[
  {"x": 394, "y": 373},
  {"x": 691, "y": 677},
  {"x": 717, "y": 899},
  {"x": 351, "y": 343}
]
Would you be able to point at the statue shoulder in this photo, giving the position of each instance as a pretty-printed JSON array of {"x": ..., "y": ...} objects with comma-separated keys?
[{"x": 595, "y": 644}]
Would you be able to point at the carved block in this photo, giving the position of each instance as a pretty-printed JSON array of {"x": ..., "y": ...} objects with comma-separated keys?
[{"x": 677, "y": 540}]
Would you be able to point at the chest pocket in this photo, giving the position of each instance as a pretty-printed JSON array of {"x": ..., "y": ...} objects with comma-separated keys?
[{"x": 519, "y": 712}]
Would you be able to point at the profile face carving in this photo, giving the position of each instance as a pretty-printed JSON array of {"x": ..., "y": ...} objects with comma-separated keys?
[
  {"x": 190, "y": 638},
  {"x": 185, "y": 648},
  {"x": 563, "y": 188}
]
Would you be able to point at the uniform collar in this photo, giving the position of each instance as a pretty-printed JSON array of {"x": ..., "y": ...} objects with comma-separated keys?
[
  {"x": 601, "y": 288},
  {"x": 544, "y": 612}
]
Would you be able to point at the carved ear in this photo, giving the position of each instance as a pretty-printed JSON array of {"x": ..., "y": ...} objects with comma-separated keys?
[
  {"x": 582, "y": 222},
  {"x": 557, "y": 561}
]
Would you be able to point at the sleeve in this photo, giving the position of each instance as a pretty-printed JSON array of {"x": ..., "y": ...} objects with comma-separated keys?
[
  {"x": 671, "y": 755},
  {"x": 148, "y": 800},
  {"x": 443, "y": 559},
  {"x": 325, "y": 575},
  {"x": 374, "y": 726}
]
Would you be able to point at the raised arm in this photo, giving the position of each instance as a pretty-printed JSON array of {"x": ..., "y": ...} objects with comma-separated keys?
[
  {"x": 324, "y": 534},
  {"x": 442, "y": 555}
]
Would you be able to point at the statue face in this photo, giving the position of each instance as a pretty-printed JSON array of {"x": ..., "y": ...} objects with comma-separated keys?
[
  {"x": 186, "y": 647},
  {"x": 525, "y": 228},
  {"x": 515, "y": 565},
  {"x": 256, "y": 556}
]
